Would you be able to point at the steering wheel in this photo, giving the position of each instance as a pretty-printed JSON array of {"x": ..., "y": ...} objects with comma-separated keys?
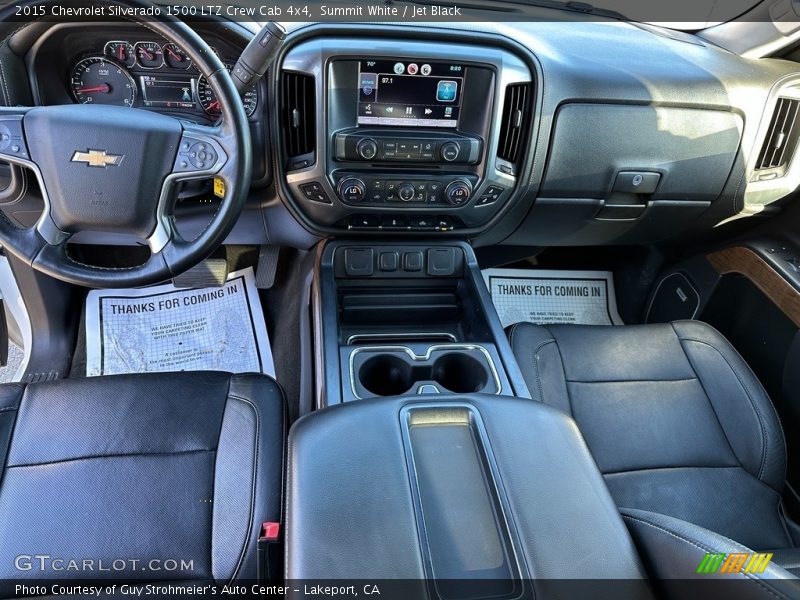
[{"x": 115, "y": 169}]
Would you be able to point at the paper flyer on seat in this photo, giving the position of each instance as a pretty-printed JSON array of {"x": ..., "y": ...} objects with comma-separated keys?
[
  {"x": 162, "y": 328},
  {"x": 548, "y": 297}
]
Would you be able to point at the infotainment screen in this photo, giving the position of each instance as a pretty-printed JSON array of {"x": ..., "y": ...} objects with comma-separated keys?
[{"x": 409, "y": 93}]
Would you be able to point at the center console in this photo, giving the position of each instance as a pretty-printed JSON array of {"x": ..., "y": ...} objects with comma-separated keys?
[
  {"x": 425, "y": 141},
  {"x": 397, "y": 319}
]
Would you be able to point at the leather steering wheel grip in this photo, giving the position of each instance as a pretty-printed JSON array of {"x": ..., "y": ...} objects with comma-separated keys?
[{"x": 44, "y": 247}]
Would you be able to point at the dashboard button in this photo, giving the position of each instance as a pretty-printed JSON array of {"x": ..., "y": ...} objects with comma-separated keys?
[
  {"x": 364, "y": 222},
  {"x": 406, "y": 192},
  {"x": 359, "y": 262},
  {"x": 394, "y": 223},
  {"x": 450, "y": 151},
  {"x": 314, "y": 191},
  {"x": 412, "y": 261},
  {"x": 389, "y": 261},
  {"x": 352, "y": 189},
  {"x": 423, "y": 223},
  {"x": 457, "y": 193},
  {"x": 367, "y": 149},
  {"x": 441, "y": 262}
]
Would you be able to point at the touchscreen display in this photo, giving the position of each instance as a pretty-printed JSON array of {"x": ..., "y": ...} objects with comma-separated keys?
[
  {"x": 166, "y": 92},
  {"x": 409, "y": 93}
]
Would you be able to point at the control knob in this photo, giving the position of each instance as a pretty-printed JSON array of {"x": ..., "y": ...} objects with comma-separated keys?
[
  {"x": 352, "y": 189},
  {"x": 367, "y": 149},
  {"x": 457, "y": 193},
  {"x": 450, "y": 151},
  {"x": 406, "y": 192}
]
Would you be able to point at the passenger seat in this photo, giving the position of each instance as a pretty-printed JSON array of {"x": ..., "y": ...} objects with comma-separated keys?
[{"x": 677, "y": 423}]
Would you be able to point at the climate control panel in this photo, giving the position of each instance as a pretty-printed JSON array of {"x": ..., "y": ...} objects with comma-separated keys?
[{"x": 414, "y": 191}]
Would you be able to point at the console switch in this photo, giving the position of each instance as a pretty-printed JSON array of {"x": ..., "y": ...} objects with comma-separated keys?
[
  {"x": 412, "y": 261},
  {"x": 441, "y": 262},
  {"x": 359, "y": 262}
]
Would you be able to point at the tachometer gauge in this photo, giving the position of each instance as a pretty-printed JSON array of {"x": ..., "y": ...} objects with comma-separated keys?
[
  {"x": 175, "y": 57},
  {"x": 122, "y": 52},
  {"x": 149, "y": 55},
  {"x": 210, "y": 102},
  {"x": 98, "y": 80}
]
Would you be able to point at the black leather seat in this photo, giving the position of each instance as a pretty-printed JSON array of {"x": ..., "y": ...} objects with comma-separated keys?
[
  {"x": 677, "y": 423},
  {"x": 171, "y": 467}
]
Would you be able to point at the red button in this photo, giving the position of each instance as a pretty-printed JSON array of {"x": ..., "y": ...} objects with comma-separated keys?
[{"x": 270, "y": 532}]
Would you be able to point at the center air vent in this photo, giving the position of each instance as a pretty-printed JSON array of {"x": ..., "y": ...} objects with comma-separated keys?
[
  {"x": 516, "y": 117},
  {"x": 298, "y": 119},
  {"x": 782, "y": 136}
]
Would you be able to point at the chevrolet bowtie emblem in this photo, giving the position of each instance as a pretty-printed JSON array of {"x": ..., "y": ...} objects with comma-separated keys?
[{"x": 98, "y": 158}]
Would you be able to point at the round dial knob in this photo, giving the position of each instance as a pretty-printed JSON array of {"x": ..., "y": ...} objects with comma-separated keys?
[
  {"x": 406, "y": 192},
  {"x": 352, "y": 189},
  {"x": 367, "y": 149},
  {"x": 458, "y": 192},
  {"x": 449, "y": 151}
]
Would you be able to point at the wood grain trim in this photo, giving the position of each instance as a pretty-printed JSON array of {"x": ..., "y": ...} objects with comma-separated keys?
[{"x": 744, "y": 261}]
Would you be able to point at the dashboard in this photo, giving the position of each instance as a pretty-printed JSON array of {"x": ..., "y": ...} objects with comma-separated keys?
[{"x": 528, "y": 134}]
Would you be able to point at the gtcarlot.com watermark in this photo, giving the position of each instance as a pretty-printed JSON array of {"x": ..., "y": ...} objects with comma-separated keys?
[{"x": 45, "y": 563}]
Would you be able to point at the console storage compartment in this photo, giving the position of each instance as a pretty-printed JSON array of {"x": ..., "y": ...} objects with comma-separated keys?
[{"x": 482, "y": 494}]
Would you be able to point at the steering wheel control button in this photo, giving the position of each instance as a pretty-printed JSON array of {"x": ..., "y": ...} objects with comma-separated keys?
[
  {"x": 359, "y": 262},
  {"x": 11, "y": 140},
  {"x": 367, "y": 149},
  {"x": 637, "y": 182},
  {"x": 458, "y": 192},
  {"x": 352, "y": 190},
  {"x": 196, "y": 155}
]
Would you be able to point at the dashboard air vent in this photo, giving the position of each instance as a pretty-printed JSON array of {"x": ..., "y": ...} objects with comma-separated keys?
[
  {"x": 516, "y": 115},
  {"x": 298, "y": 117},
  {"x": 782, "y": 137}
]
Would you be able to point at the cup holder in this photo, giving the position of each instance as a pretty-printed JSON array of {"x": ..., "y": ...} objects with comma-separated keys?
[
  {"x": 386, "y": 375},
  {"x": 460, "y": 373},
  {"x": 397, "y": 371}
]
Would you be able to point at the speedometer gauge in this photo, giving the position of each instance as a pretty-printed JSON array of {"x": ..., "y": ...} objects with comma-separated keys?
[
  {"x": 210, "y": 102},
  {"x": 98, "y": 80}
]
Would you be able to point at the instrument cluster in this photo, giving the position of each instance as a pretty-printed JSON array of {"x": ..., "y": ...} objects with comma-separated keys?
[{"x": 148, "y": 74}]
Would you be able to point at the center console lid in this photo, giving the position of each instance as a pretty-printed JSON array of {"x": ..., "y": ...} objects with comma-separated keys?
[{"x": 469, "y": 491}]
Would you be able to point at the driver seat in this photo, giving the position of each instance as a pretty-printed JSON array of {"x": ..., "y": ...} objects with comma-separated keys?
[{"x": 121, "y": 471}]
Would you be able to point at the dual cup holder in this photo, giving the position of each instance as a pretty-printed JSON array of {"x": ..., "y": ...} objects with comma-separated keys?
[{"x": 399, "y": 371}]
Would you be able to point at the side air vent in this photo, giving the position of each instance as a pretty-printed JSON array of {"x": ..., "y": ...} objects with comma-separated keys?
[
  {"x": 516, "y": 118},
  {"x": 298, "y": 118},
  {"x": 782, "y": 137}
]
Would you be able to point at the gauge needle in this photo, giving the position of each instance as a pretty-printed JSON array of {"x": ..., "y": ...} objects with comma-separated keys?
[
  {"x": 147, "y": 53},
  {"x": 121, "y": 53},
  {"x": 105, "y": 88},
  {"x": 174, "y": 54},
  {"x": 215, "y": 105}
]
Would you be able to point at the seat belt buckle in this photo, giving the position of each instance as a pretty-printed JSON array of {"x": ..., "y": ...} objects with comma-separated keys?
[{"x": 270, "y": 555}]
